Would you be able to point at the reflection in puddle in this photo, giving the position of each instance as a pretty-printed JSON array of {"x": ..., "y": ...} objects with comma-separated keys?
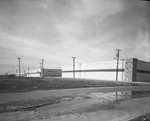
[
  {"x": 132, "y": 94},
  {"x": 111, "y": 96},
  {"x": 138, "y": 94},
  {"x": 96, "y": 98}
]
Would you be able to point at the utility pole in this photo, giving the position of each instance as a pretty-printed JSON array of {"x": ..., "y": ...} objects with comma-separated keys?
[
  {"x": 122, "y": 67},
  {"x": 43, "y": 68},
  {"x": 19, "y": 67},
  {"x": 117, "y": 55},
  {"x": 40, "y": 70},
  {"x": 73, "y": 66}
]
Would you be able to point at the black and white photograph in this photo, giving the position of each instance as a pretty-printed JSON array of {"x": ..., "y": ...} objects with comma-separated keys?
[{"x": 74, "y": 60}]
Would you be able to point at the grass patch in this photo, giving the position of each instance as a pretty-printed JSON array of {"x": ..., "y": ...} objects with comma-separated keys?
[{"x": 33, "y": 84}]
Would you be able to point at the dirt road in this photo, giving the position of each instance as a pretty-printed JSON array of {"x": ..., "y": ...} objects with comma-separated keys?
[
  {"x": 120, "y": 103},
  {"x": 99, "y": 106},
  {"x": 5, "y": 97}
]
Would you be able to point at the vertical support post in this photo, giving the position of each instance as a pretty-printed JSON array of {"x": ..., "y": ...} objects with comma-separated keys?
[
  {"x": 42, "y": 68},
  {"x": 19, "y": 67},
  {"x": 117, "y": 55},
  {"x": 73, "y": 67}
]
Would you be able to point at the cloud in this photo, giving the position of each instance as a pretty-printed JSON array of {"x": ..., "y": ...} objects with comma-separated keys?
[
  {"x": 126, "y": 24},
  {"x": 56, "y": 30}
]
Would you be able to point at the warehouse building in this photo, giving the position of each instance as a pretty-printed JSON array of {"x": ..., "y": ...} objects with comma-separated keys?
[
  {"x": 52, "y": 73},
  {"x": 137, "y": 70},
  {"x": 98, "y": 70},
  {"x": 43, "y": 73},
  {"x": 128, "y": 70}
]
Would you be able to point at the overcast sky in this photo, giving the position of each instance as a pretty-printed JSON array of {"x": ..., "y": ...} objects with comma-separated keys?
[{"x": 56, "y": 30}]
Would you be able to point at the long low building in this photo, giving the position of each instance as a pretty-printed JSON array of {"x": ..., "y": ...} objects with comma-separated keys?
[
  {"x": 98, "y": 70},
  {"x": 43, "y": 73},
  {"x": 128, "y": 70}
]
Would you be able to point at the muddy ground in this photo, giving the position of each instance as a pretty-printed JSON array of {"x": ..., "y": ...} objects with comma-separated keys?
[
  {"x": 95, "y": 106},
  {"x": 119, "y": 103}
]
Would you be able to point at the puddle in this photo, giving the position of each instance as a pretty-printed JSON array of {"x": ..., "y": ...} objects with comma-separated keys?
[
  {"x": 140, "y": 94},
  {"x": 82, "y": 103},
  {"x": 111, "y": 96},
  {"x": 133, "y": 94},
  {"x": 96, "y": 98}
]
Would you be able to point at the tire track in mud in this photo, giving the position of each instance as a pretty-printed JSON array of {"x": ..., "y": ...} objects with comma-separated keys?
[{"x": 32, "y": 105}]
